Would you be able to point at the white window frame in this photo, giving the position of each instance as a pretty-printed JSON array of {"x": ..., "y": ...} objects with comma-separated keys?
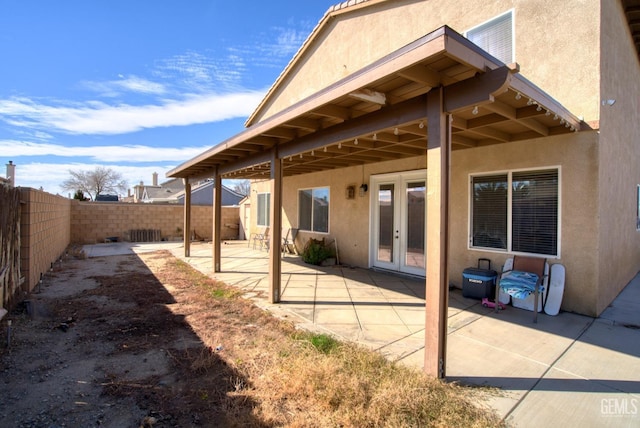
[
  {"x": 638, "y": 208},
  {"x": 267, "y": 214},
  {"x": 328, "y": 189},
  {"x": 509, "y": 174},
  {"x": 513, "y": 32}
]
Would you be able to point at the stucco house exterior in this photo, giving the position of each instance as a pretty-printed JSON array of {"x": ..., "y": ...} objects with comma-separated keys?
[{"x": 425, "y": 134}]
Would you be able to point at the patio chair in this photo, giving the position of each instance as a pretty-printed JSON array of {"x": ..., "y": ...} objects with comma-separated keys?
[
  {"x": 526, "y": 277},
  {"x": 288, "y": 241},
  {"x": 261, "y": 240}
]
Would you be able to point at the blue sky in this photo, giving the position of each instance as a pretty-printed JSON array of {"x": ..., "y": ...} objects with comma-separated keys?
[{"x": 137, "y": 86}]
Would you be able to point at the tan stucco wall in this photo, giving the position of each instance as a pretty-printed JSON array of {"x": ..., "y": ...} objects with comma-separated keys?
[
  {"x": 579, "y": 52},
  {"x": 619, "y": 244},
  {"x": 45, "y": 232},
  {"x": 92, "y": 222},
  {"x": 348, "y": 218},
  {"x": 576, "y": 155},
  {"x": 549, "y": 45}
]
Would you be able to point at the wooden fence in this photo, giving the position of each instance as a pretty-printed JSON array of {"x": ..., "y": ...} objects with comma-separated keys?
[{"x": 9, "y": 244}]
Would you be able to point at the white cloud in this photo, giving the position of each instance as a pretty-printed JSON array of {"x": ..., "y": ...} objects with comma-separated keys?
[
  {"x": 125, "y": 153},
  {"x": 96, "y": 117},
  {"x": 114, "y": 88},
  {"x": 200, "y": 73}
]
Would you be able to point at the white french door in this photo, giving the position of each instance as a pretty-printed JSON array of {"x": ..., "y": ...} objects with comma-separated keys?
[{"x": 398, "y": 203}]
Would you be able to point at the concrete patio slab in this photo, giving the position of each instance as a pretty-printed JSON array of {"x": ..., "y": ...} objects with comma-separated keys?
[{"x": 554, "y": 399}]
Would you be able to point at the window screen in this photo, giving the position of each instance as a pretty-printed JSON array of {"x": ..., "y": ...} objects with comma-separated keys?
[
  {"x": 490, "y": 211},
  {"x": 525, "y": 201},
  {"x": 495, "y": 37},
  {"x": 535, "y": 212}
]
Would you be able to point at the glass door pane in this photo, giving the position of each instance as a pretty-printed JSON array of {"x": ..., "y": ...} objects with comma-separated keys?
[
  {"x": 415, "y": 224},
  {"x": 385, "y": 223}
]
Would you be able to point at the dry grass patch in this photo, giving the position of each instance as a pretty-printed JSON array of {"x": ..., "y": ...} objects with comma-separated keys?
[{"x": 300, "y": 379}]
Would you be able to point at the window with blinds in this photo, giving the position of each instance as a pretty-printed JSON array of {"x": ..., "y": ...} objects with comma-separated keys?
[
  {"x": 495, "y": 37},
  {"x": 516, "y": 211}
]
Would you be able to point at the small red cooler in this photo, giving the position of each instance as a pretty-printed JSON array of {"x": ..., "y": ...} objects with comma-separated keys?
[{"x": 479, "y": 282}]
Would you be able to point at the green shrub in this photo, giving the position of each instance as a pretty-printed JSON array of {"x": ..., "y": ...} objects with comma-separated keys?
[{"x": 315, "y": 252}]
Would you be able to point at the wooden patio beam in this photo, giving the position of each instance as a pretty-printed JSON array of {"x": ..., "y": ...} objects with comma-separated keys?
[
  {"x": 187, "y": 217},
  {"x": 479, "y": 90},
  {"x": 388, "y": 117},
  {"x": 437, "y": 235},
  {"x": 217, "y": 223},
  {"x": 275, "y": 233}
]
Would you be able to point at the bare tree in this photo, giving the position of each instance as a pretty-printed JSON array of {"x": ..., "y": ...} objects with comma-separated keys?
[
  {"x": 243, "y": 187},
  {"x": 100, "y": 181}
]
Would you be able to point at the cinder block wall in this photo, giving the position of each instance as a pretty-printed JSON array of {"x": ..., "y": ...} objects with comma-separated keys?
[
  {"x": 92, "y": 222},
  {"x": 44, "y": 234}
]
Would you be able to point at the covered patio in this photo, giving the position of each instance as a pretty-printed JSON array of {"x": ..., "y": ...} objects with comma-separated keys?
[{"x": 437, "y": 94}]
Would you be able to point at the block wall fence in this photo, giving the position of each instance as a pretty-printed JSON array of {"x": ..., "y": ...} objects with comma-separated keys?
[
  {"x": 51, "y": 223},
  {"x": 44, "y": 233}
]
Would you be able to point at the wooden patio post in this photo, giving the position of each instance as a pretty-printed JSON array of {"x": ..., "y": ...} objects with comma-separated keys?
[
  {"x": 437, "y": 281},
  {"x": 275, "y": 235},
  {"x": 216, "y": 237},
  {"x": 187, "y": 218}
]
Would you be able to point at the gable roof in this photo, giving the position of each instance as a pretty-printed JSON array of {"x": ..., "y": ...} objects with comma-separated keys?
[
  {"x": 202, "y": 194},
  {"x": 333, "y": 128}
]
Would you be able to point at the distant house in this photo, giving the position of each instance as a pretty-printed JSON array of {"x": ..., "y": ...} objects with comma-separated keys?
[
  {"x": 202, "y": 194},
  {"x": 172, "y": 192}
]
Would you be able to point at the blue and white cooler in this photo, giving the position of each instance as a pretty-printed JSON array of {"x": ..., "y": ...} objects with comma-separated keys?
[{"x": 478, "y": 282}]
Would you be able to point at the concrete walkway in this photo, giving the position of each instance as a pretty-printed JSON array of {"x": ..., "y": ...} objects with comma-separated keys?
[{"x": 569, "y": 370}]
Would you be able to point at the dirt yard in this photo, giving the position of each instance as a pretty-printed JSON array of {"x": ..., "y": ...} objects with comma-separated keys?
[
  {"x": 102, "y": 344},
  {"x": 146, "y": 341}
]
